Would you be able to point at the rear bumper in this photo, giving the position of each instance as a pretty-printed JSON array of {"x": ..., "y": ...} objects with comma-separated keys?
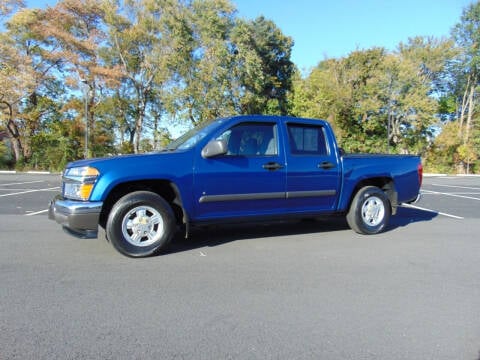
[
  {"x": 78, "y": 217},
  {"x": 417, "y": 199}
]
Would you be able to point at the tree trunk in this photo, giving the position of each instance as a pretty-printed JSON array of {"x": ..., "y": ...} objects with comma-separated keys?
[
  {"x": 16, "y": 145},
  {"x": 471, "y": 105},
  {"x": 156, "y": 135},
  {"x": 138, "y": 131},
  {"x": 462, "y": 109},
  {"x": 13, "y": 134},
  {"x": 139, "y": 125}
]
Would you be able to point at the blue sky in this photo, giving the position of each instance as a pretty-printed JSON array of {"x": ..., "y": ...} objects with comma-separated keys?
[{"x": 334, "y": 28}]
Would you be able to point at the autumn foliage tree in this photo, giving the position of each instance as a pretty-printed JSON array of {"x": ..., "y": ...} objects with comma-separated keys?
[
  {"x": 25, "y": 75},
  {"x": 76, "y": 28}
]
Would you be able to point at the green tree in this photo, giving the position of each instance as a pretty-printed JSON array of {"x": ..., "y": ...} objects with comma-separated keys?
[
  {"x": 346, "y": 92},
  {"x": 201, "y": 89},
  {"x": 262, "y": 70},
  {"x": 377, "y": 101},
  {"x": 142, "y": 42},
  {"x": 228, "y": 66},
  {"x": 413, "y": 77},
  {"x": 466, "y": 77}
]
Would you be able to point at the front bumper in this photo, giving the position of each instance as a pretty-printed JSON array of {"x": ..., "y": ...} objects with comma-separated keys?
[{"x": 80, "y": 218}]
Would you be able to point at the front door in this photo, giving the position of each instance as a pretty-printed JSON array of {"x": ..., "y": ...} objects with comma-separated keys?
[{"x": 248, "y": 181}]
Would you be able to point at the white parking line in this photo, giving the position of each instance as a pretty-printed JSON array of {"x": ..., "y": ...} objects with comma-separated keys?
[
  {"x": 30, "y": 191},
  {"x": 36, "y": 212},
  {"x": 21, "y": 183},
  {"x": 433, "y": 211},
  {"x": 461, "y": 193},
  {"x": 16, "y": 189},
  {"x": 449, "y": 194},
  {"x": 459, "y": 187}
]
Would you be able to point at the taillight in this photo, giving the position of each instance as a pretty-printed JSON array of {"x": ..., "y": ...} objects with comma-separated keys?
[{"x": 420, "y": 173}]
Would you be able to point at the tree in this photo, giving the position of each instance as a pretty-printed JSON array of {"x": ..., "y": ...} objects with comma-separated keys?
[
  {"x": 228, "y": 66},
  {"x": 8, "y": 7},
  {"x": 262, "y": 67},
  {"x": 413, "y": 78},
  {"x": 346, "y": 92},
  {"x": 377, "y": 100},
  {"x": 142, "y": 43},
  {"x": 442, "y": 155},
  {"x": 77, "y": 28},
  {"x": 18, "y": 79},
  {"x": 201, "y": 87},
  {"x": 466, "y": 79}
]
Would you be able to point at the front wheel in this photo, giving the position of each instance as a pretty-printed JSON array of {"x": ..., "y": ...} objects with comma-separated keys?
[
  {"x": 140, "y": 224},
  {"x": 370, "y": 211}
]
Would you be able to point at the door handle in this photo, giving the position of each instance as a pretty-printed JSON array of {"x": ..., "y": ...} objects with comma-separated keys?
[
  {"x": 272, "y": 166},
  {"x": 326, "y": 165}
]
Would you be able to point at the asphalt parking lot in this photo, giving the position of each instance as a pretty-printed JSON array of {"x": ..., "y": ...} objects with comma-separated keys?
[{"x": 287, "y": 290}]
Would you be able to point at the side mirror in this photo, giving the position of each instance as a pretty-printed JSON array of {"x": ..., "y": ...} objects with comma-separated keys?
[
  {"x": 214, "y": 148},
  {"x": 341, "y": 151}
]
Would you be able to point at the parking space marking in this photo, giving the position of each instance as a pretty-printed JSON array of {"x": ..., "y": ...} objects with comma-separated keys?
[
  {"x": 458, "y": 187},
  {"x": 433, "y": 211},
  {"x": 449, "y": 194},
  {"x": 15, "y": 189},
  {"x": 31, "y": 191},
  {"x": 22, "y": 183},
  {"x": 36, "y": 212}
]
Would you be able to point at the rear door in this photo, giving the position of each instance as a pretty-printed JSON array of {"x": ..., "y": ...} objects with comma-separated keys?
[
  {"x": 313, "y": 171},
  {"x": 249, "y": 180}
]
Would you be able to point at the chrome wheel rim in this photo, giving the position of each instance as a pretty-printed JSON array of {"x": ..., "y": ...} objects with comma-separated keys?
[
  {"x": 373, "y": 211},
  {"x": 142, "y": 226}
]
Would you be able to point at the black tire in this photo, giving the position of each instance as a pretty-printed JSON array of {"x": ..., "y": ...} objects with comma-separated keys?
[
  {"x": 370, "y": 211},
  {"x": 140, "y": 224}
]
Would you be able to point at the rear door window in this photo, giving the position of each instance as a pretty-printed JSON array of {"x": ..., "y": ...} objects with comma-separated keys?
[{"x": 307, "y": 140}]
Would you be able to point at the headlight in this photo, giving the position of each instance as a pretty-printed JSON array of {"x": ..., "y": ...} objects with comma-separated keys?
[
  {"x": 78, "y": 182},
  {"x": 81, "y": 172}
]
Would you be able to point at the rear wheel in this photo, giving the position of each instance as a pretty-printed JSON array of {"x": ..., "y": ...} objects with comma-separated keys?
[
  {"x": 370, "y": 211},
  {"x": 140, "y": 224}
]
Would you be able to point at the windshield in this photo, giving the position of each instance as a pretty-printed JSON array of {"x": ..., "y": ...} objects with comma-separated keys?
[{"x": 193, "y": 136}]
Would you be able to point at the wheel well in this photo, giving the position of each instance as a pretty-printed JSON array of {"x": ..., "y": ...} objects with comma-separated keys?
[
  {"x": 384, "y": 183},
  {"x": 166, "y": 189}
]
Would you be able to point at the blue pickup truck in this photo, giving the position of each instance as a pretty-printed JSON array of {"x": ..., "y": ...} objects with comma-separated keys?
[{"x": 242, "y": 168}]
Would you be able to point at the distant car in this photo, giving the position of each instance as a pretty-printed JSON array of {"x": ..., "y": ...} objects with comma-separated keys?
[{"x": 238, "y": 168}]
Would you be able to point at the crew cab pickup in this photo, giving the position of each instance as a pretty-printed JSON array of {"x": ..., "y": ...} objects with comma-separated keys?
[{"x": 241, "y": 168}]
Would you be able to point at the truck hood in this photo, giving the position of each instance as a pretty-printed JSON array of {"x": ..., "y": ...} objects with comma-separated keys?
[{"x": 127, "y": 161}]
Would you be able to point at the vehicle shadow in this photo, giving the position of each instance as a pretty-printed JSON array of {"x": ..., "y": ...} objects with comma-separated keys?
[
  {"x": 216, "y": 235},
  {"x": 407, "y": 215}
]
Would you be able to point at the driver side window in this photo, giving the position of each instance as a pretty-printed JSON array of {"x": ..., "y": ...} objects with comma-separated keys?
[{"x": 251, "y": 139}]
